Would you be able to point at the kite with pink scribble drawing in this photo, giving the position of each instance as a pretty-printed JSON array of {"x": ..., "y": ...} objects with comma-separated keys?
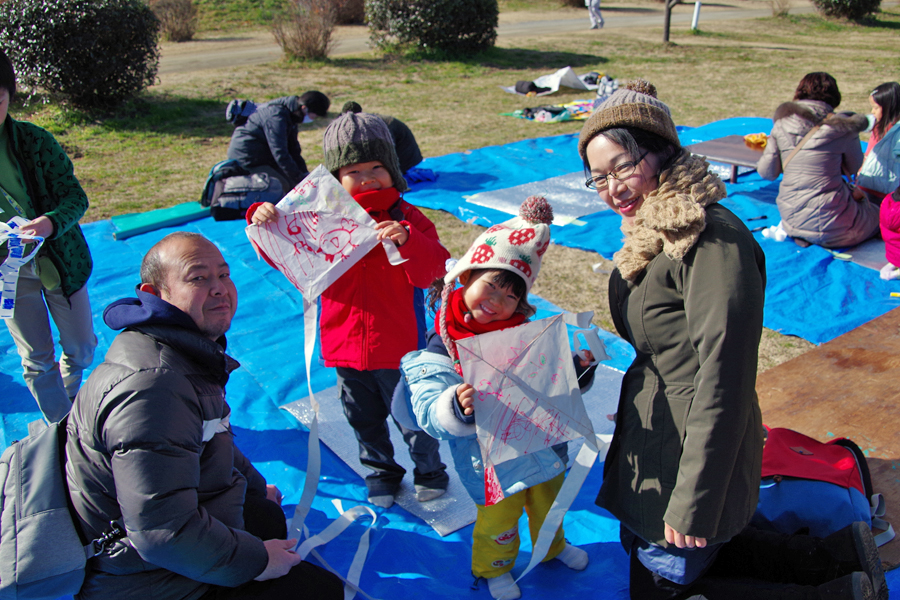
[
  {"x": 321, "y": 232},
  {"x": 527, "y": 391}
]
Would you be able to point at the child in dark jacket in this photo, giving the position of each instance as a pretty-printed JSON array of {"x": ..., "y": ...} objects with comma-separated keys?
[
  {"x": 496, "y": 274},
  {"x": 370, "y": 316}
]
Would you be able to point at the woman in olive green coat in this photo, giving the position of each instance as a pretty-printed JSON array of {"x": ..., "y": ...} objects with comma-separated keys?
[{"x": 682, "y": 473}]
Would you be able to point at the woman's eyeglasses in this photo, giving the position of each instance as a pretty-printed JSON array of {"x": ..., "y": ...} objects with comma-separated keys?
[{"x": 620, "y": 173}]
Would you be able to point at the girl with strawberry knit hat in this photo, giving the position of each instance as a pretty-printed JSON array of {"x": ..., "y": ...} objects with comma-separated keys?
[{"x": 496, "y": 274}]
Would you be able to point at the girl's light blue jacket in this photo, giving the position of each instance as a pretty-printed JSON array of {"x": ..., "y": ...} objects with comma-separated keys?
[
  {"x": 881, "y": 169},
  {"x": 426, "y": 399}
]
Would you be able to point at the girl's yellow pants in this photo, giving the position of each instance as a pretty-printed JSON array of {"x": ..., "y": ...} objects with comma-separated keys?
[{"x": 495, "y": 539}]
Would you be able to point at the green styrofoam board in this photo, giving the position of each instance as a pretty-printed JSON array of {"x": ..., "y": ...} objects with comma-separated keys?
[{"x": 137, "y": 223}]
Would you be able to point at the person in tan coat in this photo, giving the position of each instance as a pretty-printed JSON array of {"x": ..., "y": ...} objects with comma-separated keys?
[{"x": 815, "y": 200}]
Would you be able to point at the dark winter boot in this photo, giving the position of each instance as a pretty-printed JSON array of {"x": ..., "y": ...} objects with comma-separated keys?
[
  {"x": 802, "y": 559},
  {"x": 854, "y": 548},
  {"x": 856, "y": 586}
]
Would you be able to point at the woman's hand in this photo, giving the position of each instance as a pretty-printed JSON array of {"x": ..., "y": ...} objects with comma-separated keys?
[
  {"x": 393, "y": 231},
  {"x": 42, "y": 226},
  {"x": 465, "y": 397},
  {"x": 265, "y": 213},
  {"x": 683, "y": 541}
]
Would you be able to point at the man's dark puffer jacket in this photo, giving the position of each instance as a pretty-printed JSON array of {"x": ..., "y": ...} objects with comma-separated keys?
[{"x": 150, "y": 446}]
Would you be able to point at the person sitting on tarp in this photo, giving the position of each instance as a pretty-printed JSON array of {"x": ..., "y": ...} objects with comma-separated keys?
[
  {"x": 152, "y": 463},
  {"x": 267, "y": 142},
  {"x": 814, "y": 147},
  {"x": 404, "y": 141}
]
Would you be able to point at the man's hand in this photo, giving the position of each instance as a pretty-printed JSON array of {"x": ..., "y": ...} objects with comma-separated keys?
[
  {"x": 264, "y": 213},
  {"x": 683, "y": 541},
  {"x": 273, "y": 494},
  {"x": 281, "y": 559},
  {"x": 393, "y": 231},
  {"x": 588, "y": 359},
  {"x": 42, "y": 226},
  {"x": 465, "y": 397}
]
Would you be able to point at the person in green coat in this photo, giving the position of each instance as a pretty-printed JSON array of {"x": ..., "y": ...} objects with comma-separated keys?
[
  {"x": 38, "y": 184},
  {"x": 683, "y": 470}
]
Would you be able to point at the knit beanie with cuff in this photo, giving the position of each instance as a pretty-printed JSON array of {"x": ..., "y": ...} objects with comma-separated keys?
[
  {"x": 358, "y": 138},
  {"x": 634, "y": 105},
  {"x": 517, "y": 245}
]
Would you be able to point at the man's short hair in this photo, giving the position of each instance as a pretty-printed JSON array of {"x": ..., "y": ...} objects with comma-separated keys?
[
  {"x": 7, "y": 75},
  {"x": 316, "y": 102},
  {"x": 154, "y": 270}
]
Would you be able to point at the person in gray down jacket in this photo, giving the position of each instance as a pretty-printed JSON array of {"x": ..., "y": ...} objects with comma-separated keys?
[
  {"x": 150, "y": 447},
  {"x": 267, "y": 142},
  {"x": 816, "y": 203}
]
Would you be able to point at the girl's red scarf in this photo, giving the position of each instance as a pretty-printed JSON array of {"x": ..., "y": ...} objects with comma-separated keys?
[{"x": 458, "y": 328}]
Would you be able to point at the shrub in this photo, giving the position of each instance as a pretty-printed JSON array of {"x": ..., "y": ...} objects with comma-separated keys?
[
  {"x": 351, "y": 12},
  {"x": 177, "y": 19},
  {"x": 95, "y": 52},
  {"x": 452, "y": 26},
  {"x": 847, "y": 9},
  {"x": 304, "y": 28},
  {"x": 572, "y": 3}
]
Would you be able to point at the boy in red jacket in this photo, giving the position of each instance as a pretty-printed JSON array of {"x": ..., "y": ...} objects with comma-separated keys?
[{"x": 374, "y": 314}]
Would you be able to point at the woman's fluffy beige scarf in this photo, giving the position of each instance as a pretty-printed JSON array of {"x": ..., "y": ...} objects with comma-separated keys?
[{"x": 672, "y": 217}]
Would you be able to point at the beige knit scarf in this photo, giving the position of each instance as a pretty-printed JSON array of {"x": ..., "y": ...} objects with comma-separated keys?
[{"x": 672, "y": 217}]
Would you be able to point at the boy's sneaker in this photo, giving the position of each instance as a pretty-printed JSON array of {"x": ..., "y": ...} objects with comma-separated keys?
[
  {"x": 504, "y": 587},
  {"x": 424, "y": 494},
  {"x": 385, "y": 501},
  {"x": 573, "y": 557}
]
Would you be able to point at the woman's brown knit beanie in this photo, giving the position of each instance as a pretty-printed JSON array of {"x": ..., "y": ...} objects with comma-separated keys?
[{"x": 634, "y": 105}]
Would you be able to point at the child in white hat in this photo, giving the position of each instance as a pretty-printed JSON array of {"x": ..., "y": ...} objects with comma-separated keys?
[{"x": 496, "y": 274}]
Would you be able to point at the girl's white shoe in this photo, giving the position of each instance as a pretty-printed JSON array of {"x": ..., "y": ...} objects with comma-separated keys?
[
  {"x": 504, "y": 587},
  {"x": 573, "y": 557}
]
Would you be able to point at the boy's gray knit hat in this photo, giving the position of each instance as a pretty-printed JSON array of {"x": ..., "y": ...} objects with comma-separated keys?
[
  {"x": 361, "y": 137},
  {"x": 634, "y": 105}
]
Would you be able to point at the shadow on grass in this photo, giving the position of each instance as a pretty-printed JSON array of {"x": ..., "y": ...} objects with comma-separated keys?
[{"x": 497, "y": 58}]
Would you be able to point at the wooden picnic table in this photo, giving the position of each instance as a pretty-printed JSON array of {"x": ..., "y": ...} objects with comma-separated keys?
[{"x": 731, "y": 150}]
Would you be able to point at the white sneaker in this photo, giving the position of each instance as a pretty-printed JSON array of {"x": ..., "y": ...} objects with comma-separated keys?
[
  {"x": 889, "y": 272},
  {"x": 504, "y": 587},
  {"x": 573, "y": 557}
]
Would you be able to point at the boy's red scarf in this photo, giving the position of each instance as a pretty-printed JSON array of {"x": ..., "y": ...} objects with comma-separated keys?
[
  {"x": 377, "y": 201},
  {"x": 459, "y": 329}
]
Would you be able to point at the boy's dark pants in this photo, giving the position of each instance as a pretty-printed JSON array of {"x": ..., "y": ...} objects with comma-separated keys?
[{"x": 366, "y": 397}]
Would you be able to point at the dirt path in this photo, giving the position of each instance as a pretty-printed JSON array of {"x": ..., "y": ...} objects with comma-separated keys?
[{"x": 258, "y": 47}]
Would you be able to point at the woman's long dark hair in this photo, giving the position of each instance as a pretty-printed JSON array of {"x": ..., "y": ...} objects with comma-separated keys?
[
  {"x": 887, "y": 96},
  {"x": 7, "y": 75}
]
